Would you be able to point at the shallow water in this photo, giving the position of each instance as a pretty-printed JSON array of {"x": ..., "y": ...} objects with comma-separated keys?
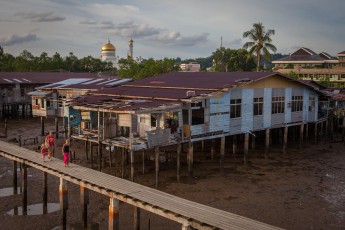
[{"x": 35, "y": 209}]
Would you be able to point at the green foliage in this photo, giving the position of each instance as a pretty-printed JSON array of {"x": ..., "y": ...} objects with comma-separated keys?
[
  {"x": 26, "y": 62},
  {"x": 227, "y": 60},
  {"x": 129, "y": 68},
  {"x": 260, "y": 43},
  {"x": 293, "y": 75}
]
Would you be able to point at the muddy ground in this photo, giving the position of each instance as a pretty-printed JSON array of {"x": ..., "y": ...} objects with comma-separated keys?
[{"x": 303, "y": 189}]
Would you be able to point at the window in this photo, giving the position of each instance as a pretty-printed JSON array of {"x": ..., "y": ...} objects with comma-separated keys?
[
  {"x": 22, "y": 92},
  {"x": 258, "y": 105},
  {"x": 198, "y": 116},
  {"x": 48, "y": 103},
  {"x": 42, "y": 103},
  {"x": 235, "y": 108},
  {"x": 311, "y": 104},
  {"x": 278, "y": 105},
  {"x": 297, "y": 103}
]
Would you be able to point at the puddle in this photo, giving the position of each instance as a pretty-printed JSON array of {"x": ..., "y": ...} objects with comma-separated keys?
[
  {"x": 8, "y": 191},
  {"x": 35, "y": 209},
  {"x": 79, "y": 226}
]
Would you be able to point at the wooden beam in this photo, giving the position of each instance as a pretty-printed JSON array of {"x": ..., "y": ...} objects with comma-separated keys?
[
  {"x": 84, "y": 201},
  {"x": 25, "y": 188},
  {"x": 114, "y": 214},
  {"x": 136, "y": 222},
  {"x": 63, "y": 195}
]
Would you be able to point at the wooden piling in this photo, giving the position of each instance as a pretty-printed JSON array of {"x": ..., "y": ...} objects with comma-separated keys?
[
  {"x": 234, "y": 145},
  {"x": 246, "y": 145},
  {"x": 306, "y": 132},
  {"x": 114, "y": 214},
  {"x": 222, "y": 153},
  {"x": 123, "y": 162},
  {"x": 131, "y": 152},
  {"x": 56, "y": 128},
  {"x": 286, "y": 128},
  {"x": 136, "y": 222},
  {"x": 315, "y": 133},
  {"x": 5, "y": 128},
  {"x": 45, "y": 192},
  {"x": 63, "y": 196},
  {"x": 143, "y": 160},
  {"x": 20, "y": 140},
  {"x": 253, "y": 141},
  {"x": 91, "y": 154},
  {"x": 212, "y": 148},
  {"x": 190, "y": 158},
  {"x": 267, "y": 142},
  {"x": 157, "y": 165},
  {"x": 42, "y": 126},
  {"x": 84, "y": 201},
  {"x": 301, "y": 134},
  {"x": 110, "y": 157},
  {"x": 178, "y": 163},
  {"x": 25, "y": 188},
  {"x": 15, "y": 181}
]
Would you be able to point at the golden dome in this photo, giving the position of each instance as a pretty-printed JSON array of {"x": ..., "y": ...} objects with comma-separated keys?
[
  {"x": 130, "y": 40},
  {"x": 108, "y": 47}
]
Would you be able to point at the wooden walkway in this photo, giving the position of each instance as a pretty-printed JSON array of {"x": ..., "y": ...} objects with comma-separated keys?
[{"x": 183, "y": 211}]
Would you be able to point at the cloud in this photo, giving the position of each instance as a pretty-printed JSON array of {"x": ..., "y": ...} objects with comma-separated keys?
[
  {"x": 235, "y": 43},
  {"x": 40, "y": 17},
  {"x": 175, "y": 38},
  {"x": 18, "y": 39},
  {"x": 88, "y": 22}
]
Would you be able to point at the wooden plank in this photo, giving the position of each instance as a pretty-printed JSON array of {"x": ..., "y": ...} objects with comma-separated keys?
[{"x": 177, "y": 209}]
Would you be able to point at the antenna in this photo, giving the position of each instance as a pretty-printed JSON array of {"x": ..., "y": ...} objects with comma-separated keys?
[{"x": 221, "y": 41}]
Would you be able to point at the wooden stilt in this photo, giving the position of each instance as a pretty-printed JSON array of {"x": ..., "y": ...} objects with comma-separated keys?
[
  {"x": 123, "y": 162},
  {"x": 131, "y": 152},
  {"x": 143, "y": 159},
  {"x": 42, "y": 126},
  {"x": 267, "y": 142},
  {"x": 86, "y": 149},
  {"x": 285, "y": 139},
  {"x": 110, "y": 157},
  {"x": 234, "y": 145},
  {"x": 91, "y": 154},
  {"x": 84, "y": 201},
  {"x": 222, "y": 153},
  {"x": 5, "y": 128},
  {"x": 20, "y": 140},
  {"x": 157, "y": 164},
  {"x": 315, "y": 133},
  {"x": 25, "y": 188},
  {"x": 190, "y": 158},
  {"x": 301, "y": 134},
  {"x": 202, "y": 146},
  {"x": 63, "y": 195},
  {"x": 178, "y": 159},
  {"x": 15, "y": 182},
  {"x": 57, "y": 128},
  {"x": 136, "y": 222},
  {"x": 253, "y": 141},
  {"x": 306, "y": 132},
  {"x": 212, "y": 148},
  {"x": 45, "y": 192},
  {"x": 114, "y": 214},
  {"x": 246, "y": 144}
]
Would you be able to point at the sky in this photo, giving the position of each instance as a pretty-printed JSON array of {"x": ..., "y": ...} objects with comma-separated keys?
[{"x": 160, "y": 28}]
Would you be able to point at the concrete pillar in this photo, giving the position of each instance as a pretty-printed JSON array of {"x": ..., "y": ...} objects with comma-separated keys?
[
  {"x": 45, "y": 192},
  {"x": 15, "y": 184},
  {"x": 157, "y": 165},
  {"x": 136, "y": 222},
  {"x": 25, "y": 188},
  {"x": 246, "y": 145},
  {"x": 286, "y": 129},
  {"x": 114, "y": 214},
  {"x": 267, "y": 142},
  {"x": 84, "y": 201},
  {"x": 222, "y": 152},
  {"x": 63, "y": 195}
]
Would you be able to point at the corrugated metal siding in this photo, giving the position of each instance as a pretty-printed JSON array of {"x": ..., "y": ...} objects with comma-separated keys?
[
  {"x": 259, "y": 92},
  {"x": 258, "y": 122},
  {"x": 316, "y": 108},
  {"x": 305, "y": 104},
  {"x": 247, "y": 110},
  {"x": 267, "y": 111},
  {"x": 297, "y": 116}
]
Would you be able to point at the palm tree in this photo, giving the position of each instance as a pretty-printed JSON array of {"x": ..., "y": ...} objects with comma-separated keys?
[{"x": 261, "y": 42}]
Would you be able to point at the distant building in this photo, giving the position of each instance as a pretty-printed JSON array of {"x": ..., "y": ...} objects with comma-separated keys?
[
  {"x": 109, "y": 53},
  {"x": 190, "y": 67},
  {"x": 309, "y": 65}
]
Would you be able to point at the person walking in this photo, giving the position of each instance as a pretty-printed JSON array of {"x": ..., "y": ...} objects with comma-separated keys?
[
  {"x": 44, "y": 151},
  {"x": 50, "y": 142},
  {"x": 65, "y": 152}
]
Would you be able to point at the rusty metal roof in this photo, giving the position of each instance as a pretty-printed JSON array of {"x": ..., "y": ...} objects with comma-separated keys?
[
  {"x": 40, "y": 77},
  {"x": 200, "y": 80}
]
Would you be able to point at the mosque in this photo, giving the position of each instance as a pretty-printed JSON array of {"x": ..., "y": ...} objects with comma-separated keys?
[{"x": 109, "y": 52}]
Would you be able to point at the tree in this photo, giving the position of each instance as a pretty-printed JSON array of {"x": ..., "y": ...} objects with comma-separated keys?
[{"x": 260, "y": 43}]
